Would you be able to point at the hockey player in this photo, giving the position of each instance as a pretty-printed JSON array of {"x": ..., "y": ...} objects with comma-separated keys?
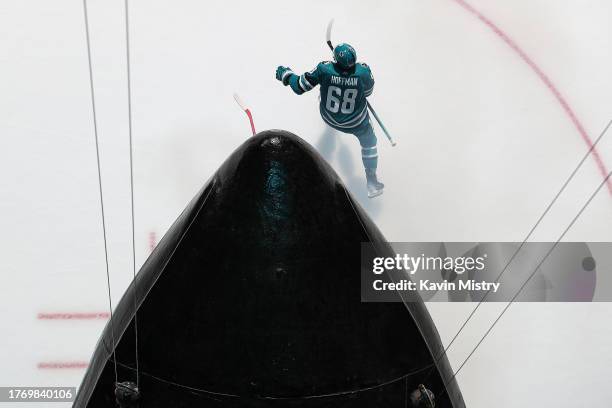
[{"x": 345, "y": 84}]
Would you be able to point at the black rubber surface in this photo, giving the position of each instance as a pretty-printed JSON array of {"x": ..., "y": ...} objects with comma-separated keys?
[{"x": 252, "y": 299}]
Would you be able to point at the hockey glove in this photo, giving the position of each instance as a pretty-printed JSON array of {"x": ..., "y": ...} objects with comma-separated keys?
[{"x": 283, "y": 74}]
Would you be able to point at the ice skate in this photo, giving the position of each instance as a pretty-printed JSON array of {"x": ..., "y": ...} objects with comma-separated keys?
[{"x": 375, "y": 187}]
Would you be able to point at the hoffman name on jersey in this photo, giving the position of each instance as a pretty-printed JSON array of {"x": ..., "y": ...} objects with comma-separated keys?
[{"x": 338, "y": 80}]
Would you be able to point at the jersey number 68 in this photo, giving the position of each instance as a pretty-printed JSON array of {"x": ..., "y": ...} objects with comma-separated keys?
[{"x": 334, "y": 94}]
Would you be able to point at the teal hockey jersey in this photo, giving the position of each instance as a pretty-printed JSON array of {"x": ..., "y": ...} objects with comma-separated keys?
[{"x": 343, "y": 102}]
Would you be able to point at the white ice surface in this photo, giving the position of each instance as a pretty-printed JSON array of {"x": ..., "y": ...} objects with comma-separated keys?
[{"x": 483, "y": 145}]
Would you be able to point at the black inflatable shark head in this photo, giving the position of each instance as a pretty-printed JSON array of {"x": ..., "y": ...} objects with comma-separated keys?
[{"x": 252, "y": 299}]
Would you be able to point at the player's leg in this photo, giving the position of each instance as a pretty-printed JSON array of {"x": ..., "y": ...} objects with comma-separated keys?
[{"x": 369, "y": 157}]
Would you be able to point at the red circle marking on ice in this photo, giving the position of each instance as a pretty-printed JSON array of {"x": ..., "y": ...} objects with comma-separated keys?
[
  {"x": 74, "y": 316},
  {"x": 547, "y": 81},
  {"x": 62, "y": 365}
]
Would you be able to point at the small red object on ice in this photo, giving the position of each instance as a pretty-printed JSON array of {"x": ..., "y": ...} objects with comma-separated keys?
[{"x": 246, "y": 110}]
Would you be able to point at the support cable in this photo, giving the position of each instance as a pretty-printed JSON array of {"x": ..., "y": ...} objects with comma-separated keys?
[{"x": 95, "y": 128}]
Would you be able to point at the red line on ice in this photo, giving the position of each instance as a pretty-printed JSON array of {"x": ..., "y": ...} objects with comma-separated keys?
[
  {"x": 62, "y": 365},
  {"x": 74, "y": 316},
  {"x": 152, "y": 240},
  {"x": 547, "y": 81}
]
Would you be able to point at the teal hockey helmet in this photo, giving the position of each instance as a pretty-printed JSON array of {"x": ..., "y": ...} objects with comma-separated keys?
[{"x": 345, "y": 56}]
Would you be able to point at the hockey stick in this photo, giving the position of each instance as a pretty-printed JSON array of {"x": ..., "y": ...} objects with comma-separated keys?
[
  {"x": 246, "y": 110},
  {"x": 328, "y": 34},
  {"x": 382, "y": 126}
]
